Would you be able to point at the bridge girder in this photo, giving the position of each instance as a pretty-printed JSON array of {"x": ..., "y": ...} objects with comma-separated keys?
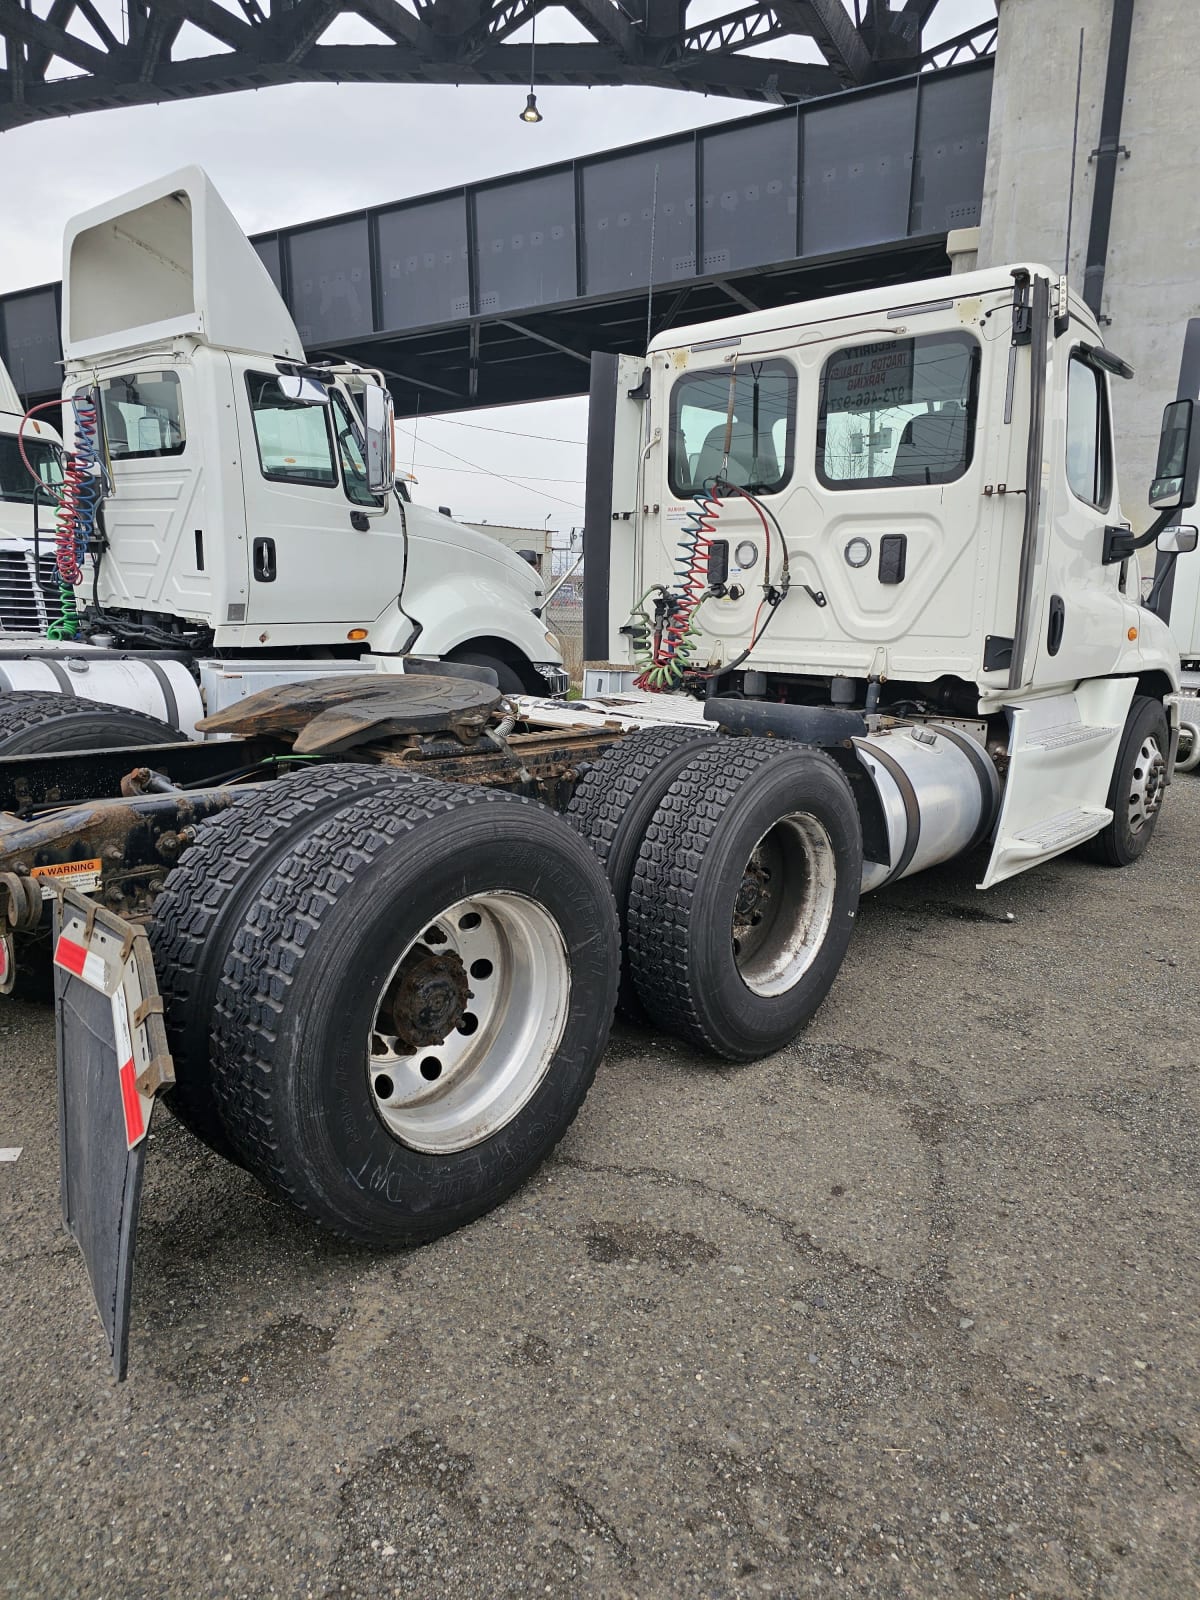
[{"x": 62, "y": 57}]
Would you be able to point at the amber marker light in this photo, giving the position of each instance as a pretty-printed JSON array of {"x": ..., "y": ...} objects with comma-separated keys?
[
  {"x": 1132, "y": 633},
  {"x": 357, "y": 633}
]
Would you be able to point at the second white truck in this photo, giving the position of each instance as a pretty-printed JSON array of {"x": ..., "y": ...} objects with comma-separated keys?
[{"x": 226, "y": 497}]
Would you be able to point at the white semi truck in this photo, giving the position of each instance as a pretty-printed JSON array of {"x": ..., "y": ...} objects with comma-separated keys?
[
  {"x": 858, "y": 573},
  {"x": 239, "y": 538},
  {"x": 30, "y": 594}
]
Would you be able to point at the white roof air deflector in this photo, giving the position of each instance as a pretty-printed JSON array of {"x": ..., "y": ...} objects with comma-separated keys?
[
  {"x": 9, "y": 399},
  {"x": 168, "y": 258}
]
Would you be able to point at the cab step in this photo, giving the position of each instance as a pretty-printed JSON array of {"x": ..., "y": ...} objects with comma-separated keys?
[{"x": 1061, "y": 753}]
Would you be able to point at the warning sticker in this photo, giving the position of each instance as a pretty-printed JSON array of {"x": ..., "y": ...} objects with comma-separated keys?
[{"x": 79, "y": 874}]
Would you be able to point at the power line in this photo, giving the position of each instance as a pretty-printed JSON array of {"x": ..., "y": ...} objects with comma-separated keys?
[
  {"x": 512, "y": 433},
  {"x": 503, "y": 476},
  {"x": 432, "y": 466}
]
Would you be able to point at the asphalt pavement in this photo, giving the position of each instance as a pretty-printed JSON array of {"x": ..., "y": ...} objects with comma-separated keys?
[{"x": 910, "y": 1309}]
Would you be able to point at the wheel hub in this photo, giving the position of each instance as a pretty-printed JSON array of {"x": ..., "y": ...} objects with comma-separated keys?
[
  {"x": 1149, "y": 781},
  {"x": 755, "y": 889},
  {"x": 467, "y": 1024},
  {"x": 428, "y": 998}
]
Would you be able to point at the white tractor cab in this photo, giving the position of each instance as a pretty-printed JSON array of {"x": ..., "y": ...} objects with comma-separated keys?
[
  {"x": 893, "y": 516},
  {"x": 248, "y": 522},
  {"x": 30, "y": 594}
]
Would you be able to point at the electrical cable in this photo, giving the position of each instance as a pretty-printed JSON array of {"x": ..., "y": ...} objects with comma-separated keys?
[
  {"x": 82, "y": 492},
  {"x": 516, "y": 482}
]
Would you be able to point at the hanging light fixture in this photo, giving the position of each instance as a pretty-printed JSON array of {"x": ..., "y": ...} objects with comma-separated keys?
[{"x": 531, "y": 112}]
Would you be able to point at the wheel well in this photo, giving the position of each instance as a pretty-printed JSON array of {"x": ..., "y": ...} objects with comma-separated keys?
[
  {"x": 504, "y": 650},
  {"x": 1154, "y": 684}
]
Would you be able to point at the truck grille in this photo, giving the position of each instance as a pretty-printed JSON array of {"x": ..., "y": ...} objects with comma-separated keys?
[{"x": 25, "y": 607}]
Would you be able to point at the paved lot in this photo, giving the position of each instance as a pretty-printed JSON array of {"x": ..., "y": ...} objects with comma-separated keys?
[{"x": 908, "y": 1310}]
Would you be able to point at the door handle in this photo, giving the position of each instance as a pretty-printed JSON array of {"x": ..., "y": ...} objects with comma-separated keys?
[
  {"x": 1058, "y": 621},
  {"x": 265, "y": 569}
]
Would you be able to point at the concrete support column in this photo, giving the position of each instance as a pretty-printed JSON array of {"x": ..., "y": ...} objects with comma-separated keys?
[{"x": 1152, "y": 278}]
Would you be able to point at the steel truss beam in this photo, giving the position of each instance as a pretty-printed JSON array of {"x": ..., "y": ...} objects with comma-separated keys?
[{"x": 66, "y": 56}]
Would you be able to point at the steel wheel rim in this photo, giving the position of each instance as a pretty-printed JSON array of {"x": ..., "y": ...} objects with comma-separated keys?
[
  {"x": 1146, "y": 784},
  {"x": 785, "y": 904},
  {"x": 490, "y": 976}
]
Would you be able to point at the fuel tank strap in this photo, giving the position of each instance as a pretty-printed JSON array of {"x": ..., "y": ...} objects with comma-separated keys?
[
  {"x": 912, "y": 806},
  {"x": 985, "y": 772}
]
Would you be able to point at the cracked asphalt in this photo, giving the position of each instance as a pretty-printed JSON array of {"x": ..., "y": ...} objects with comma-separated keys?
[{"x": 907, "y": 1310}]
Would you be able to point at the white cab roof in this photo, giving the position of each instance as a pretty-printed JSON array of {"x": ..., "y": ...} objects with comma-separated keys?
[{"x": 833, "y": 308}]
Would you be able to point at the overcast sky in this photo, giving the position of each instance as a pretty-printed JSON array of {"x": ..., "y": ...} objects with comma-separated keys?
[{"x": 284, "y": 155}]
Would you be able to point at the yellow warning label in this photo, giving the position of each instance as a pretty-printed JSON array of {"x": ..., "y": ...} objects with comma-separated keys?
[{"x": 79, "y": 874}]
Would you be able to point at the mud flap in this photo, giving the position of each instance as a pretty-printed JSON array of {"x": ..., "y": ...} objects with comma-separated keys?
[{"x": 112, "y": 1060}]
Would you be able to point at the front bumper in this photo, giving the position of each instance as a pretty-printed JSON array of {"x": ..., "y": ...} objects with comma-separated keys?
[{"x": 553, "y": 675}]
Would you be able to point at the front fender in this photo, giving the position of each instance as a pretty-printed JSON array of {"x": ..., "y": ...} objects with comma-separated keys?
[
  {"x": 464, "y": 607},
  {"x": 456, "y": 610}
]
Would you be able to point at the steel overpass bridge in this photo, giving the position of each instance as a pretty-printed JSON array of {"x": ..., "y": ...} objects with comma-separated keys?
[
  {"x": 499, "y": 292},
  {"x": 66, "y": 56}
]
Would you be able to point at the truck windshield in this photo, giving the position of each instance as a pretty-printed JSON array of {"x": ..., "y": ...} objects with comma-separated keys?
[
  {"x": 44, "y": 457},
  {"x": 900, "y": 411}
]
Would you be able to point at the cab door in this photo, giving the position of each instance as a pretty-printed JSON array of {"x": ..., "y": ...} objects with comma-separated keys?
[
  {"x": 1078, "y": 630},
  {"x": 322, "y": 550}
]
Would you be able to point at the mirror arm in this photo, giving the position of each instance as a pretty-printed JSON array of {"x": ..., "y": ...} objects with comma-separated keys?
[{"x": 1120, "y": 543}]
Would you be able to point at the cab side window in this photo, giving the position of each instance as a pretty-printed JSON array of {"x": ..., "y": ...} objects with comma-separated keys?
[
  {"x": 294, "y": 445},
  {"x": 350, "y": 451},
  {"x": 1089, "y": 436}
]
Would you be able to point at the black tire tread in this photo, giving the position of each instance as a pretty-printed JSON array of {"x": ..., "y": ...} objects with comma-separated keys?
[
  {"x": 26, "y": 710},
  {"x": 602, "y": 794},
  {"x": 664, "y": 885},
  {"x": 270, "y": 946},
  {"x": 193, "y": 918},
  {"x": 1106, "y": 848}
]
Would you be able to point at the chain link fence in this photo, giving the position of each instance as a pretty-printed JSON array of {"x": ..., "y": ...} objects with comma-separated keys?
[{"x": 564, "y": 617}]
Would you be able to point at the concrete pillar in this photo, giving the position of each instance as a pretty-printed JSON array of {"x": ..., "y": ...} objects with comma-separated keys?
[
  {"x": 962, "y": 246},
  {"x": 1152, "y": 282}
]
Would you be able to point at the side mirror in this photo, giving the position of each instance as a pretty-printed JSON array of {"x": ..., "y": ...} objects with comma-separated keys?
[
  {"x": 305, "y": 391},
  {"x": 1178, "y": 469},
  {"x": 378, "y": 421},
  {"x": 1178, "y": 541}
]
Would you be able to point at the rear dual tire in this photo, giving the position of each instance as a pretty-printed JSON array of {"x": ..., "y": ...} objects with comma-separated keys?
[
  {"x": 355, "y": 970},
  {"x": 736, "y": 864}
]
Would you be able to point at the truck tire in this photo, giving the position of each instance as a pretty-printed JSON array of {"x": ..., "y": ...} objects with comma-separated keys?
[
  {"x": 507, "y": 676},
  {"x": 612, "y": 806},
  {"x": 744, "y": 896},
  {"x": 201, "y": 906},
  {"x": 1136, "y": 791},
  {"x": 413, "y": 1008},
  {"x": 32, "y": 723}
]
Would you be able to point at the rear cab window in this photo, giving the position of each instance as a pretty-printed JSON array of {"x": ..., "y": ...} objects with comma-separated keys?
[
  {"x": 758, "y": 454},
  {"x": 898, "y": 412},
  {"x": 143, "y": 415}
]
